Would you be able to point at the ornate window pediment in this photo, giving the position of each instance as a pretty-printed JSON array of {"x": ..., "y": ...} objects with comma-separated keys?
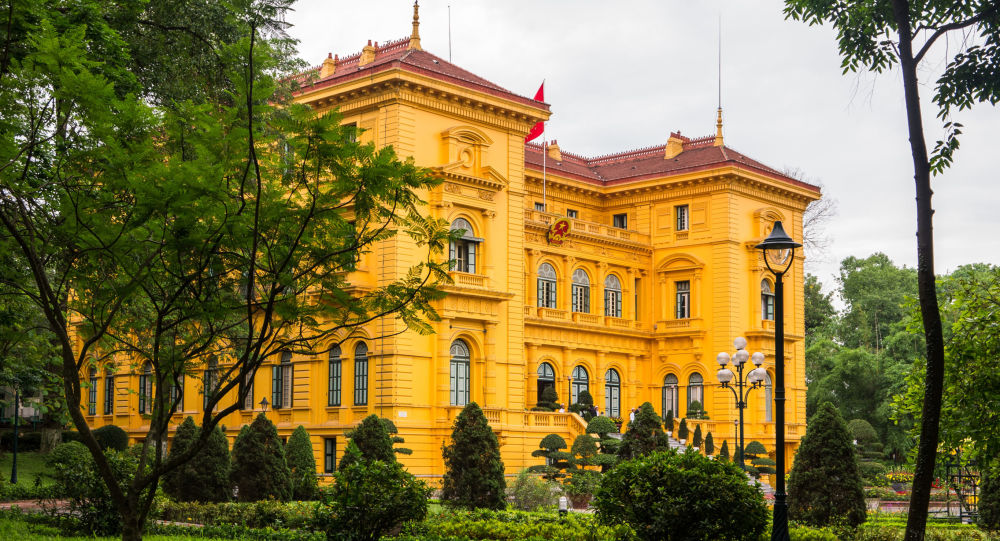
[{"x": 466, "y": 155}]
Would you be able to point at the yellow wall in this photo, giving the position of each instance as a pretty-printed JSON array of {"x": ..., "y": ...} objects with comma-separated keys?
[{"x": 474, "y": 141}]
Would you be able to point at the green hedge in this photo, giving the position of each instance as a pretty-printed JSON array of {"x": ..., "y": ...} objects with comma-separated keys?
[
  {"x": 262, "y": 514},
  {"x": 231, "y": 531},
  {"x": 484, "y": 524}
]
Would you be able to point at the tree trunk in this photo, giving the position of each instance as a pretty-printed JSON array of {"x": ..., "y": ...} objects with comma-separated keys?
[
  {"x": 131, "y": 529},
  {"x": 934, "y": 382},
  {"x": 50, "y": 438}
]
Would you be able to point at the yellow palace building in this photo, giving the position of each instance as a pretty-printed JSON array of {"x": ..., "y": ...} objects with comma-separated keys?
[{"x": 623, "y": 275}]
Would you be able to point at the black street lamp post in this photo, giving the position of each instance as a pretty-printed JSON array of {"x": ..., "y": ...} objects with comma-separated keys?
[
  {"x": 779, "y": 251},
  {"x": 17, "y": 411},
  {"x": 753, "y": 380}
]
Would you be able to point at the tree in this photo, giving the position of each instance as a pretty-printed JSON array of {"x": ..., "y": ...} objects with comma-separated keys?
[
  {"x": 676, "y": 496},
  {"x": 824, "y": 486},
  {"x": 557, "y": 461},
  {"x": 724, "y": 450},
  {"x": 584, "y": 405},
  {"x": 603, "y": 427},
  {"x": 584, "y": 450},
  {"x": 696, "y": 441},
  {"x": 549, "y": 400},
  {"x": 644, "y": 436},
  {"x": 819, "y": 311},
  {"x": 682, "y": 430},
  {"x": 301, "y": 465},
  {"x": 473, "y": 474},
  {"x": 259, "y": 467},
  {"x": 874, "y": 290},
  {"x": 206, "y": 477},
  {"x": 877, "y": 35},
  {"x": 172, "y": 220},
  {"x": 174, "y": 482},
  {"x": 371, "y": 438},
  {"x": 709, "y": 444},
  {"x": 989, "y": 497}
]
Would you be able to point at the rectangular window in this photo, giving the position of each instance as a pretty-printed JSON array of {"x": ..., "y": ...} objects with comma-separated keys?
[
  {"x": 361, "y": 382},
  {"x": 210, "y": 382},
  {"x": 681, "y": 211},
  {"x": 333, "y": 398},
  {"x": 540, "y": 207},
  {"x": 92, "y": 397},
  {"x": 109, "y": 394},
  {"x": 635, "y": 305},
  {"x": 352, "y": 136},
  {"x": 248, "y": 403},
  {"x": 620, "y": 221},
  {"x": 581, "y": 298},
  {"x": 288, "y": 378},
  {"x": 459, "y": 383},
  {"x": 571, "y": 213},
  {"x": 277, "y": 386},
  {"x": 177, "y": 393},
  {"x": 329, "y": 455},
  {"x": 463, "y": 255},
  {"x": 612, "y": 303},
  {"x": 683, "y": 305},
  {"x": 546, "y": 293}
]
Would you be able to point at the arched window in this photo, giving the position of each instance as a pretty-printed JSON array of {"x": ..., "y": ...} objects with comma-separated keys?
[
  {"x": 580, "y": 383},
  {"x": 766, "y": 300},
  {"x": 210, "y": 382},
  {"x": 282, "y": 382},
  {"x": 546, "y": 286},
  {"x": 546, "y": 378},
  {"x": 696, "y": 391},
  {"x": 768, "y": 397},
  {"x": 612, "y": 297},
  {"x": 109, "y": 390},
  {"x": 146, "y": 388},
  {"x": 92, "y": 393},
  {"x": 670, "y": 396},
  {"x": 463, "y": 250},
  {"x": 581, "y": 291},
  {"x": 459, "y": 373},
  {"x": 361, "y": 374},
  {"x": 334, "y": 376},
  {"x": 612, "y": 393}
]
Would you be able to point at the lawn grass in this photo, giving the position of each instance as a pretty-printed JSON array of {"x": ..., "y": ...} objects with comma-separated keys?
[
  {"x": 30, "y": 465},
  {"x": 24, "y": 531}
]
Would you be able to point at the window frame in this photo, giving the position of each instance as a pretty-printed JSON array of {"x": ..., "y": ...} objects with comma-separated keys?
[
  {"x": 464, "y": 251},
  {"x": 145, "y": 388},
  {"x": 578, "y": 384},
  {"x": 210, "y": 382},
  {"x": 283, "y": 382},
  {"x": 548, "y": 293},
  {"x": 580, "y": 291},
  {"x": 695, "y": 391},
  {"x": 539, "y": 206},
  {"x": 330, "y": 454},
  {"x": 612, "y": 296},
  {"x": 619, "y": 221},
  {"x": 361, "y": 374},
  {"x": 92, "y": 392},
  {"x": 572, "y": 214},
  {"x": 612, "y": 393},
  {"x": 682, "y": 299},
  {"x": 682, "y": 213},
  {"x": 671, "y": 385},
  {"x": 766, "y": 300},
  {"x": 109, "y": 392},
  {"x": 460, "y": 381},
  {"x": 335, "y": 377}
]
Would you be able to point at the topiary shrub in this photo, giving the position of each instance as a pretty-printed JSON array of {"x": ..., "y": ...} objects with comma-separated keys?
[
  {"x": 206, "y": 476},
  {"x": 709, "y": 444},
  {"x": 549, "y": 400},
  {"x": 529, "y": 493},
  {"x": 677, "y": 496},
  {"x": 584, "y": 405},
  {"x": 556, "y": 460},
  {"x": 301, "y": 465},
  {"x": 370, "y": 498},
  {"x": 644, "y": 435},
  {"x": 989, "y": 498},
  {"x": 682, "y": 430},
  {"x": 668, "y": 423},
  {"x": 584, "y": 450},
  {"x": 724, "y": 451},
  {"x": 473, "y": 476},
  {"x": 259, "y": 468},
  {"x": 696, "y": 410},
  {"x": 175, "y": 481},
  {"x": 862, "y": 431},
  {"x": 824, "y": 487},
  {"x": 111, "y": 437},
  {"x": 697, "y": 441},
  {"x": 603, "y": 427},
  {"x": 372, "y": 440}
]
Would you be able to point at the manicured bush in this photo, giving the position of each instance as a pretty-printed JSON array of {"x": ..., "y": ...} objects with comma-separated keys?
[
  {"x": 989, "y": 497},
  {"x": 584, "y": 405},
  {"x": 473, "y": 474},
  {"x": 369, "y": 499},
  {"x": 644, "y": 435},
  {"x": 696, "y": 411},
  {"x": 678, "y": 496},
  {"x": 556, "y": 460},
  {"x": 174, "y": 482},
  {"x": 260, "y": 514},
  {"x": 372, "y": 440},
  {"x": 584, "y": 450},
  {"x": 549, "y": 400},
  {"x": 862, "y": 431},
  {"x": 111, "y": 437},
  {"x": 456, "y": 525},
  {"x": 603, "y": 427},
  {"x": 301, "y": 465},
  {"x": 580, "y": 487},
  {"x": 530, "y": 493},
  {"x": 824, "y": 487},
  {"x": 668, "y": 423},
  {"x": 682, "y": 430},
  {"x": 724, "y": 450},
  {"x": 206, "y": 476},
  {"x": 259, "y": 468},
  {"x": 709, "y": 444},
  {"x": 88, "y": 498},
  {"x": 696, "y": 440}
]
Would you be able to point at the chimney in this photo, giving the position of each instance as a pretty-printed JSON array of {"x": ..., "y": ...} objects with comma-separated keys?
[
  {"x": 367, "y": 54},
  {"x": 329, "y": 66},
  {"x": 675, "y": 145},
  {"x": 553, "y": 151}
]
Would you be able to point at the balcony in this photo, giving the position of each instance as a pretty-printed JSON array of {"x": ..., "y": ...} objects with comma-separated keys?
[
  {"x": 562, "y": 316},
  {"x": 464, "y": 279},
  {"x": 589, "y": 229}
]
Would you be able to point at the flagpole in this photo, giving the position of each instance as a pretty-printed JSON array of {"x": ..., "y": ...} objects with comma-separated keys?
[{"x": 545, "y": 150}]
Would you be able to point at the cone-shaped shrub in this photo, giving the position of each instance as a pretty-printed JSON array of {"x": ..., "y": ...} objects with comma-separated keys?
[
  {"x": 709, "y": 444},
  {"x": 549, "y": 400},
  {"x": 824, "y": 486},
  {"x": 206, "y": 476},
  {"x": 724, "y": 450},
  {"x": 645, "y": 434},
  {"x": 372, "y": 438},
  {"x": 301, "y": 465},
  {"x": 696, "y": 441},
  {"x": 682, "y": 430},
  {"x": 473, "y": 470},
  {"x": 668, "y": 423},
  {"x": 259, "y": 468}
]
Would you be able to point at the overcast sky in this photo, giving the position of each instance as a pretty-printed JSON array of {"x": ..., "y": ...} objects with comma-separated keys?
[{"x": 622, "y": 75}]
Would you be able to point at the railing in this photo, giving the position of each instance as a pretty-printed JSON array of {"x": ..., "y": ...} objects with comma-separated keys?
[
  {"x": 591, "y": 228},
  {"x": 468, "y": 280},
  {"x": 584, "y": 318},
  {"x": 581, "y": 317},
  {"x": 493, "y": 415},
  {"x": 552, "y": 313},
  {"x": 618, "y": 322}
]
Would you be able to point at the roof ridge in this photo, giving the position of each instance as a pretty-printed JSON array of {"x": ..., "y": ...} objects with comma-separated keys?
[{"x": 642, "y": 152}]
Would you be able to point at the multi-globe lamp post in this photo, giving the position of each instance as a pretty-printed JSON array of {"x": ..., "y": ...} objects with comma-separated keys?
[
  {"x": 779, "y": 251},
  {"x": 753, "y": 379}
]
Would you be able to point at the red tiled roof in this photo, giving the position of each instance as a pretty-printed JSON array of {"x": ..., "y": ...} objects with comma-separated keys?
[
  {"x": 634, "y": 165},
  {"x": 397, "y": 55}
]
